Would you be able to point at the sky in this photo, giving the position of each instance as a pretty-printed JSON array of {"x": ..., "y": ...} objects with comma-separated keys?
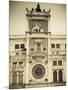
[{"x": 18, "y": 24}]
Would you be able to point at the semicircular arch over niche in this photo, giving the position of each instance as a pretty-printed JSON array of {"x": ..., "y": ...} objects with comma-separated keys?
[
  {"x": 20, "y": 78},
  {"x": 60, "y": 73},
  {"x": 55, "y": 76},
  {"x": 14, "y": 78}
]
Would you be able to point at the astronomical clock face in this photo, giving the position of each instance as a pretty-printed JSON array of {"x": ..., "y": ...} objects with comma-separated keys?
[{"x": 38, "y": 71}]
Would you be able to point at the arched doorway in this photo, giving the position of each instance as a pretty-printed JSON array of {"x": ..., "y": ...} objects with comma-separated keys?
[
  {"x": 60, "y": 76},
  {"x": 55, "y": 76},
  {"x": 14, "y": 78},
  {"x": 20, "y": 78}
]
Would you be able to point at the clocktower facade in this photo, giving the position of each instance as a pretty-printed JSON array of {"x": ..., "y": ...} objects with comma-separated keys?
[
  {"x": 37, "y": 58},
  {"x": 38, "y": 49}
]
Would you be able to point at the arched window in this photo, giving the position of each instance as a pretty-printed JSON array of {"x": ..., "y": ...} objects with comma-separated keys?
[
  {"x": 55, "y": 76},
  {"x": 60, "y": 76},
  {"x": 20, "y": 78},
  {"x": 14, "y": 78}
]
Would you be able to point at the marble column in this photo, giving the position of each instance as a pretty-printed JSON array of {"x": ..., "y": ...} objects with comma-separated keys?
[
  {"x": 57, "y": 75},
  {"x": 49, "y": 59}
]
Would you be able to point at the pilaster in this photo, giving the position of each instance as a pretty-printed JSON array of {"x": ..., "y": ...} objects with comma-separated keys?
[{"x": 27, "y": 60}]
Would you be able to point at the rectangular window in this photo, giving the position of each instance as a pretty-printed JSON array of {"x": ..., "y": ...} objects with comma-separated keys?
[
  {"x": 44, "y": 49},
  {"x": 30, "y": 61},
  {"x": 59, "y": 62},
  {"x": 16, "y": 46},
  {"x": 20, "y": 64},
  {"x": 54, "y": 63},
  {"x": 52, "y": 45},
  {"x": 65, "y": 45},
  {"x": 17, "y": 53},
  {"x": 32, "y": 49},
  {"x": 24, "y": 49},
  {"x": 57, "y": 45},
  {"x": 22, "y": 46},
  {"x": 14, "y": 64},
  {"x": 38, "y": 46}
]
